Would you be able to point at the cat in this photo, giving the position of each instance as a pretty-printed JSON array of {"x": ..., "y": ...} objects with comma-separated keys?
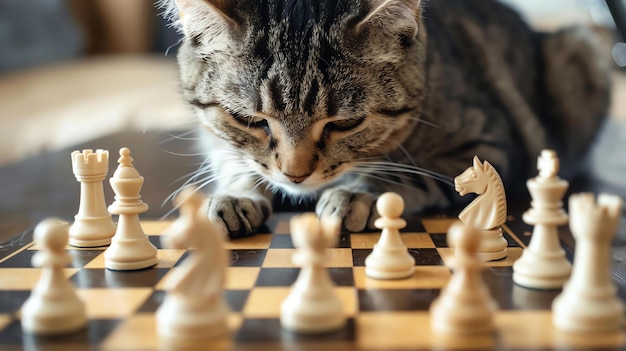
[{"x": 339, "y": 101}]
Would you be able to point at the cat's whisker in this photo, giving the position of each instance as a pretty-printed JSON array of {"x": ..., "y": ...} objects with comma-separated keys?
[
  {"x": 422, "y": 171},
  {"x": 190, "y": 183},
  {"x": 177, "y": 206},
  {"x": 406, "y": 153},
  {"x": 260, "y": 181},
  {"x": 386, "y": 180},
  {"x": 403, "y": 168},
  {"x": 386, "y": 174},
  {"x": 181, "y": 136},
  {"x": 191, "y": 154},
  {"x": 430, "y": 124},
  {"x": 189, "y": 176},
  {"x": 167, "y": 51},
  {"x": 202, "y": 175}
]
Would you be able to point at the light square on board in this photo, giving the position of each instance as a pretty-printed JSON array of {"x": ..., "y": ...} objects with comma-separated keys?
[
  {"x": 155, "y": 227},
  {"x": 5, "y": 319},
  {"x": 513, "y": 253},
  {"x": 411, "y": 240},
  {"x": 25, "y": 278},
  {"x": 410, "y": 331},
  {"x": 282, "y": 258},
  {"x": 125, "y": 337},
  {"x": 265, "y": 302},
  {"x": 425, "y": 277},
  {"x": 237, "y": 278},
  {"x": 393, "y": 330},
  {"x": 438, "y": 225},
  {"x": 259, "y": 241},
  {"x": 113, "y": 303},
  {"x": 241, "y": 277}
]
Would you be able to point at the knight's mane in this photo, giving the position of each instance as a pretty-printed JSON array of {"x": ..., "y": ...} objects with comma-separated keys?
[{"x": 496, "y": 182}]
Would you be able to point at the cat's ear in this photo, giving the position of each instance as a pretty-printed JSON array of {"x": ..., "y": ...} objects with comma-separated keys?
[
  {"x": 206, "y": 17},
  {"x": 392, "y": 16}
]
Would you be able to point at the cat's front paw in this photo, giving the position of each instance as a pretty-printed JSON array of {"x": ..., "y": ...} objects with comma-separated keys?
[
  {"x": 240, "y": 216},
  {"x": 353, "y": 208}
]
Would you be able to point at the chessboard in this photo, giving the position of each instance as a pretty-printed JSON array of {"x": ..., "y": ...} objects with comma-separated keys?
[{"x": 382, "y": 315}]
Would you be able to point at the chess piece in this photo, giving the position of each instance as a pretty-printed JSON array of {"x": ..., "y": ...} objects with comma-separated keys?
[
  {"x": 488, "y": 211},
  {"x": 194, "y": 307},
  {"x": 589, "y": 301},
  {"x": 390, "y": 259},
  {"x": 312, "y": 305},
  {"x": 53, "y": 306},
  {"x": 130, "y": 248},
  {"x": 543, "y": 264},
  {"x": 93, "y": 225},
  {"x": 464, "y": 306}
]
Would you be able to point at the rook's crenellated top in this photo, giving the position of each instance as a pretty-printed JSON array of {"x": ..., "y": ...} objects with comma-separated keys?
[{"x": 88, "y": 162}]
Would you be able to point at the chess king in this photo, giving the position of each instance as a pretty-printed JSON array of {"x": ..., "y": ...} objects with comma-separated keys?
[{"x": 543, "y": 264}]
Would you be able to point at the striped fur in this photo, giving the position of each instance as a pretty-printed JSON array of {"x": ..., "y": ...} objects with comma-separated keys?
[{"x": 341, "y": 100}]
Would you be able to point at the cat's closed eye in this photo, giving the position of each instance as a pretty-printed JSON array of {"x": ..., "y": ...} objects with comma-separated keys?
[
  {"x": 251, "y": 121},
  {"x": 343, "y": 125}
]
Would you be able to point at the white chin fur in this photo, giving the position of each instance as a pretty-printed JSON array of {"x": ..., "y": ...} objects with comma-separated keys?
[{"x": 301, "y": 189}]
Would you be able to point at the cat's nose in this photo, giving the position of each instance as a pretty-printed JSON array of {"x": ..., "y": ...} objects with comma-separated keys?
[{"x": 296, "y": 179}]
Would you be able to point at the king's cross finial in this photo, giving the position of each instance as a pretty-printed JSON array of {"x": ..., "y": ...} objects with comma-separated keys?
[{"x": 548, "y": 164}]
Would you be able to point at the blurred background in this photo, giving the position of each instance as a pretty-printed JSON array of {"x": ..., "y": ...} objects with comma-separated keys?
[{"x": 74, "y": 70}]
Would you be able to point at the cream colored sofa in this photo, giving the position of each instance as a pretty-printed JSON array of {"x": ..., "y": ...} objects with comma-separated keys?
[
  {"x": 59, "y": 106},
  {"x": 119, "y": 84}
]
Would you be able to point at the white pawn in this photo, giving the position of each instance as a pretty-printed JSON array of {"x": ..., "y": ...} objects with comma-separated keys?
[
  {"x": 93, "y": 225},
  {"x": 194, "y": 307},
  {"x": 312, "y": 305},
  {"x": 130, "y": 248},
  {"x": 589, "y": 301},
  {"x": 390, "y": 258},
  {"x": 543, "y": 264},
  {"x": 464, "y": 306},
  {"x": 53, "y": 306}
]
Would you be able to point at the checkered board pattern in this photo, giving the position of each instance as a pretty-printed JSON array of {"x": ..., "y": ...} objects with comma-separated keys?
[{"x": 382, "y": 315}]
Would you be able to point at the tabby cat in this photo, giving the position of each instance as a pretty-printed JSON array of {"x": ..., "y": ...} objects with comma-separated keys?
[{"x": 338, "y": 101}]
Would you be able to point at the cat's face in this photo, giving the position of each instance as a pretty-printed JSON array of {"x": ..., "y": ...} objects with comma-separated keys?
[{"x": 303, "y": 90}]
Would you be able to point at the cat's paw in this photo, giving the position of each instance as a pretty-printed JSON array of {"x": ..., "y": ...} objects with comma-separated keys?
[
  {"x": 353, "y": 208},
  {"x": 240, "y": 216}
]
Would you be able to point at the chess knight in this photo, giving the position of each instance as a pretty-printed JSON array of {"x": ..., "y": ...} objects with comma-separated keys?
[{"x": 488, "y": 211}]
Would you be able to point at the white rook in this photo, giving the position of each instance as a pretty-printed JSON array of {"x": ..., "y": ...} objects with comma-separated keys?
[
  {"x": 93, "y": 224},
  {"x": 589, "y": 301}
]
